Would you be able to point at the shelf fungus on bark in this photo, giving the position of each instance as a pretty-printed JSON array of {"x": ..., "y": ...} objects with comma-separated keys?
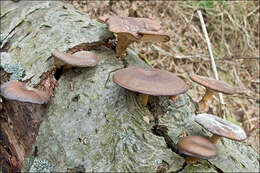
[
  {"x": 151, "y": 81},
  {"x": 132, "y": 29},
  {"x": 78, "y": 59},
  {"x": 196, "y": 147},
  {"x": 24, "y": 108},
  {"x": 220, "y": 128},
  {"x": 212, "y": 86},
  {"x": 14, "y": 90}
]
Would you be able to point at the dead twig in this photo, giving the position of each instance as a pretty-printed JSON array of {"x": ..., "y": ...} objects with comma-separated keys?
[
  {"x": 245, "y": 97},
  {"x": 205, "y": 58},
  {"x": 109, "y": 76}
]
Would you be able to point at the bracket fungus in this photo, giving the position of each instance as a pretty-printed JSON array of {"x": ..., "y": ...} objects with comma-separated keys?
[
  {"x": 150, "y": 82},
  {"x": 132, "y": 29},
  {"x": 78, "y": 59},
  {"x": 17, "y": 91},
  {"x": 212, "y": 85},
  {"x": 196, "y": 147},
  {"x": 24, "y": 108},
  {"x": 220, "y": 128}
]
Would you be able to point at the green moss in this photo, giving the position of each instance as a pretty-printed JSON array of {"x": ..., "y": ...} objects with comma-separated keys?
[{"x": 232, "y": 120}]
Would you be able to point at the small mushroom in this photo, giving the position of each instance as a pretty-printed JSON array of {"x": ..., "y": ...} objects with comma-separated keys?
[
  {"x": 132, "y": 29},
  {"x": 14, "y": 90},
  {"x": 78, "y": 59},
  {"x": 150, "y": 82},
  {"x": 212, "y": 85},
  {"x": 196, "y": 147},
  {"x": 220, "y": 128}
]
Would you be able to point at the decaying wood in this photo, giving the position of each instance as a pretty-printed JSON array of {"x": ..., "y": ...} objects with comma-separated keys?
[{"x": 19, "y": 131}]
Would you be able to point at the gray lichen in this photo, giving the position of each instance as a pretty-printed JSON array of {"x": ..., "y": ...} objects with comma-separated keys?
[
  {"x": 158, "y": 161},
  {"x": 127, "y": 138},
  {"x": 15, "y": 69},
  {"x": 3, "y": 36},
  {"x": 12, "y": 67},
  {"x": 42, "y": 166}
]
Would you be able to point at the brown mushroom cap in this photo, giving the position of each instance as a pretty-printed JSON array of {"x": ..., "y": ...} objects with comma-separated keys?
[
  {"x": 220, "y": 127},
  {"x": 136, "y": 28},
  {"x": 197, "y": 146},
  {"x": 150, "y": 81},
  {"x": 14, "y": 90},
  {"x": 213, "y": 84},
  {"x": 78, "y": 59}
]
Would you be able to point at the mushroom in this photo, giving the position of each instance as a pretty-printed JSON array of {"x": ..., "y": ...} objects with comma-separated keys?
[
  {"x": 149, "y": 82},
  {"x": 220, "y": 128},
  {"x": 196, "y": 147},
  {"x": 78, "y": 59},
  {"x": 132, "y": 29},
  {"x": 212, "y": 85},
  {"x": 25, "y": 109},
  {"x": 14, "y": 90}
]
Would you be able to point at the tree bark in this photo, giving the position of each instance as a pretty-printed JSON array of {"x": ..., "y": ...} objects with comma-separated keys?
[{"x": 19, "y": 130}]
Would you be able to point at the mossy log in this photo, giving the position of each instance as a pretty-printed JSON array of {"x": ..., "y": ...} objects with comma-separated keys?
[{"x": 91, "y": 124}]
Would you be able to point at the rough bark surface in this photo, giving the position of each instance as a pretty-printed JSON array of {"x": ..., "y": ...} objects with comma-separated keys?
[
  {"x": 19, "y": 130},
  {"x": 89, "y": 126}
]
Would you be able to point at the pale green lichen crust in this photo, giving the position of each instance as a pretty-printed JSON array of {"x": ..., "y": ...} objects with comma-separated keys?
[
  {"x": 42, "y": 166},
  {"x": 11, "y": 66}
]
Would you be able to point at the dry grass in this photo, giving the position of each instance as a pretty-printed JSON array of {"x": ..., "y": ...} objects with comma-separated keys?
[{"x": 233, "y": 29}]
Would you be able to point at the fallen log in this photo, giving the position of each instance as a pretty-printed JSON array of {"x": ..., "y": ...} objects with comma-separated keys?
[{"x": 97, "y": 125}]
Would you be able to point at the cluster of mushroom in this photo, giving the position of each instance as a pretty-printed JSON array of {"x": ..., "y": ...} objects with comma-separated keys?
[
  {"x": 201, "y": 148},
  {"x": 14, "y": 91},
  {"x": 217, "y": 126},
  {"x": 197, "y": 147},
  {"x": 128, "y": 30},
  {"x": 18, "y": 91},
  {"x": 147, "y": 82},
  {"x": 132, "y": 29},
  {"x": 160, "y": 82},
  {"x": 157, "y": 82}
]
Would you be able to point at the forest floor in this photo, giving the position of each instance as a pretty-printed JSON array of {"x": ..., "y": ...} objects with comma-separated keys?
[{"x": 233, "y": 29}]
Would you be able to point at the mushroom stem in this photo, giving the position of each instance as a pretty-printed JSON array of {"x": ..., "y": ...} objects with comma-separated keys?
[
  {"x": 122, "y": 43},
  {"x": 144, "y": 99},
  {"x": 66, "y": 68},
  {"x": 58, "y": 63},
  {"x": 204, "y": 103},
  {"x": 214, "y": 139},
  {"x": 190, "y": 160},
  {"x": 174, "y": 98}
]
